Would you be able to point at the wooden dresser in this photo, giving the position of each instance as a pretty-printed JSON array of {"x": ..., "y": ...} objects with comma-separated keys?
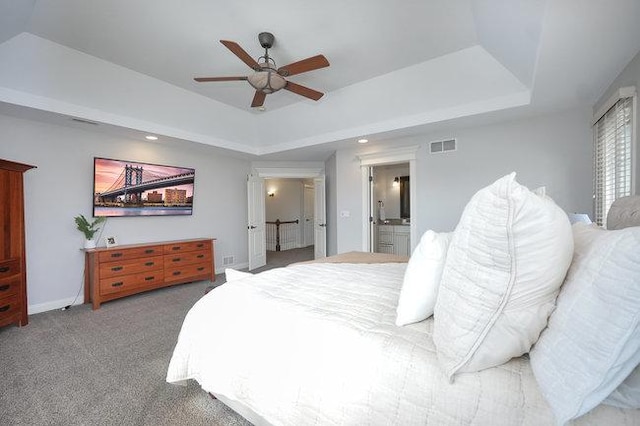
[
  {"x": 112, "y": 273},
  {"x": 13, "y": 273}
]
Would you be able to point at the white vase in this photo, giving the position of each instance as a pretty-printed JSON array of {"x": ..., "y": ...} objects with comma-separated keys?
[{"x": 89, "y": 244}]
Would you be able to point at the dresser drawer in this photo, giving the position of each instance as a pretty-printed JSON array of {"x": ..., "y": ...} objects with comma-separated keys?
[
  {"x": 133, "y": 266},
  {"x": 9, "y": 268},
  {"x": 9, "y": 287},
  {"x": 187, "y": 246},
  {"x": 10, "y": 307},
  {"x": 184, "y": 273},
  {"x": 128, "y": 282},
  {"x": 116, "y": 254},
  {"x": 188, "y": 258}
]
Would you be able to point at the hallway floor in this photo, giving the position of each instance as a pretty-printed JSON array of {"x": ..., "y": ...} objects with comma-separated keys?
[{"x": 277, "y": 259}]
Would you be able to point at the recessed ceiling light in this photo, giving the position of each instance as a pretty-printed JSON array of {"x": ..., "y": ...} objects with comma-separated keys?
[
  {"x": 151, "y": 138},
  {"x": 363, "y": 140}
]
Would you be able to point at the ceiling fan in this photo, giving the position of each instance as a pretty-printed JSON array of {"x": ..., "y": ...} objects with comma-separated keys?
[{"x": 266, "y": 78}]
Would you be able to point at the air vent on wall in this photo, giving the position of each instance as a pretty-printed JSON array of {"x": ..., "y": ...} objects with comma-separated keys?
[
  {"x": 83, "y": 121},
  {"x": 228, "y": 260},
  {"x": 439, "y": 147}
]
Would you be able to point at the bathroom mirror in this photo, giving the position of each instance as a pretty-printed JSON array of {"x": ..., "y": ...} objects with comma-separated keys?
[{"x": 405, "y": 209}]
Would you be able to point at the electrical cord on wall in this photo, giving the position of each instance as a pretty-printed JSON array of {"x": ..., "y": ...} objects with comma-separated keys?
[{"x": 84, "y": 272}]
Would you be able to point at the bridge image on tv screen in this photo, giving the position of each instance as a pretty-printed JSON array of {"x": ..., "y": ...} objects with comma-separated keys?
[{"x": 129, "y": 188}]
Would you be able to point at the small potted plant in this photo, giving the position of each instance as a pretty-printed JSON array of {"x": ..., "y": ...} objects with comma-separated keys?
[{"x": 89, "y": 229}]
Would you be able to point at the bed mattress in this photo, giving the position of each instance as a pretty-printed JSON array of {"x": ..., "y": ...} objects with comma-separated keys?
[{"x": 316, "y": 344}]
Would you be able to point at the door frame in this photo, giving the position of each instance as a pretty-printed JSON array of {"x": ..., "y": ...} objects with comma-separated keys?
[
  {"x": 390, "y": 156},
  {"x": 286, "y": 173}
]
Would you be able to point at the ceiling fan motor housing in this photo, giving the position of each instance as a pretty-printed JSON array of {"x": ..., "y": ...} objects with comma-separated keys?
[{"x": 266, "y": 40}]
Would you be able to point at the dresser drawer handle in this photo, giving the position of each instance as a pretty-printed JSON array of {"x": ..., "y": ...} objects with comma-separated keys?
[
  {"x": 5, "y": 308},
  {"x": 176, "y": 248},
  {"x": 116, "y": 254},
  {"x": 118, "y": 284},
  {"x": 176, "y": 259},
  {"x": 200, "y": 245},
  {"x": 177, "y": 273},
  {"x": 117, "y": 268},
  {"x": 201, "y": 268},
  {"x": 149, "y": 264},
  {"x": 148, "y": 278},
  {"x": 149, "y": 251},
  {"x": 200, "y": 256},
  {"x": 4, "y": 268},
  {"x": 4, "y": 287}
]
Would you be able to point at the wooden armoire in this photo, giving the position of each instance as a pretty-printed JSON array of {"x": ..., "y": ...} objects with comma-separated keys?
[{"x": 13, "y": 274}]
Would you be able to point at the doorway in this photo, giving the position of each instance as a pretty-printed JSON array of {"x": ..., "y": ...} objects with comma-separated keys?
[
  {"x": 390, "y": 209},
  {"x": 397, "y": 231},
  {"x": 289, "y": 214},
  {"x": 261, "y": 189}
]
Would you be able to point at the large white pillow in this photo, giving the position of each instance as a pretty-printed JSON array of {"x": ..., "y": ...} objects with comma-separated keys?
[
  {"x": 422, "y": 278},
  {"x": 592, "y": 342},
  {"x": 507, "y": 258}
]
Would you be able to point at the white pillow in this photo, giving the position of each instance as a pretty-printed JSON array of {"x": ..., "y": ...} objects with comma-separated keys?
[
  {"x": 233, "y": 275},
  {"x": 592, "y": 342},
  {"x": 422, "y": 278},
  {"x": 507, "y": 258}
]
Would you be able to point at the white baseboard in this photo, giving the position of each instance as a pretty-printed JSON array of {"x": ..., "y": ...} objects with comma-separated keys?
[
  {"x": 59, "y": 304},
  {"x": 55, "y": 304}
]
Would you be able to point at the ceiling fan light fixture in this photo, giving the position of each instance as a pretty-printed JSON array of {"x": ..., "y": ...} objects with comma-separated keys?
[{"x": 267, "y": 80}]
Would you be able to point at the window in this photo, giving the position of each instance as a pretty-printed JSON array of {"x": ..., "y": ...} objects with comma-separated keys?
[{"x": 612, "y": 157}]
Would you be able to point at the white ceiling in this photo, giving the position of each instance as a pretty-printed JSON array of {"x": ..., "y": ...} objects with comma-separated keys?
[{"x": 394, "y": 66}]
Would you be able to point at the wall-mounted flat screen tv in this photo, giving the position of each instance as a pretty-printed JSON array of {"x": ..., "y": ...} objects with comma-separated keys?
[{"x": 129, "y": 188}]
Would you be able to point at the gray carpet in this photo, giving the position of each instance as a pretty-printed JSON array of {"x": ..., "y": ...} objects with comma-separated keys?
[{"x": 108, "y": 367}]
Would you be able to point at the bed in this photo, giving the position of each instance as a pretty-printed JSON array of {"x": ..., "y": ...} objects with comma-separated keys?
[{"x": 317, "y": 344}]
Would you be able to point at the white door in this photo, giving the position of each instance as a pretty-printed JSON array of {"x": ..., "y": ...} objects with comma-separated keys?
[
  {"x": 320, "y": 219},
  {"x": 255, "y": 227},
  {"x": 308, "y": 216}
]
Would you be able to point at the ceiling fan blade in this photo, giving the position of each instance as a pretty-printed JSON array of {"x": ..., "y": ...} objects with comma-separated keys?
[
  {"x": 309, "y": 64},
  {"x": 258, "y": 99},
  {"x": 205, "y": 79},
  {"x": 303, "y": 91},
  {"x": 240, "y": 53}
]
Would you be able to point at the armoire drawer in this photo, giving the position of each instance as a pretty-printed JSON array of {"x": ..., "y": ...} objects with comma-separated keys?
[
  {"x": 9, "y": 268},
  {"x": 9, "y": 308},
  {"x": 10, "y": 287}
]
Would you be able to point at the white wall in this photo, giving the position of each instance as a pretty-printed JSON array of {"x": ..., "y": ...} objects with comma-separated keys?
[
  {"x": 630, "y": 76},
  {"x": 286, "y": 204},
  {"x": 61, "y": 188},
  {"x": 552, "y": 150}
]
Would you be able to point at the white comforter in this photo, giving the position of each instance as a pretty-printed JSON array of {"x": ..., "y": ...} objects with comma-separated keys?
[{"x": 316, "y": 344}]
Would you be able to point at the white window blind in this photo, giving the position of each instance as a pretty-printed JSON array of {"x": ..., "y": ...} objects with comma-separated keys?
[{"x": 612, "y": 157}]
